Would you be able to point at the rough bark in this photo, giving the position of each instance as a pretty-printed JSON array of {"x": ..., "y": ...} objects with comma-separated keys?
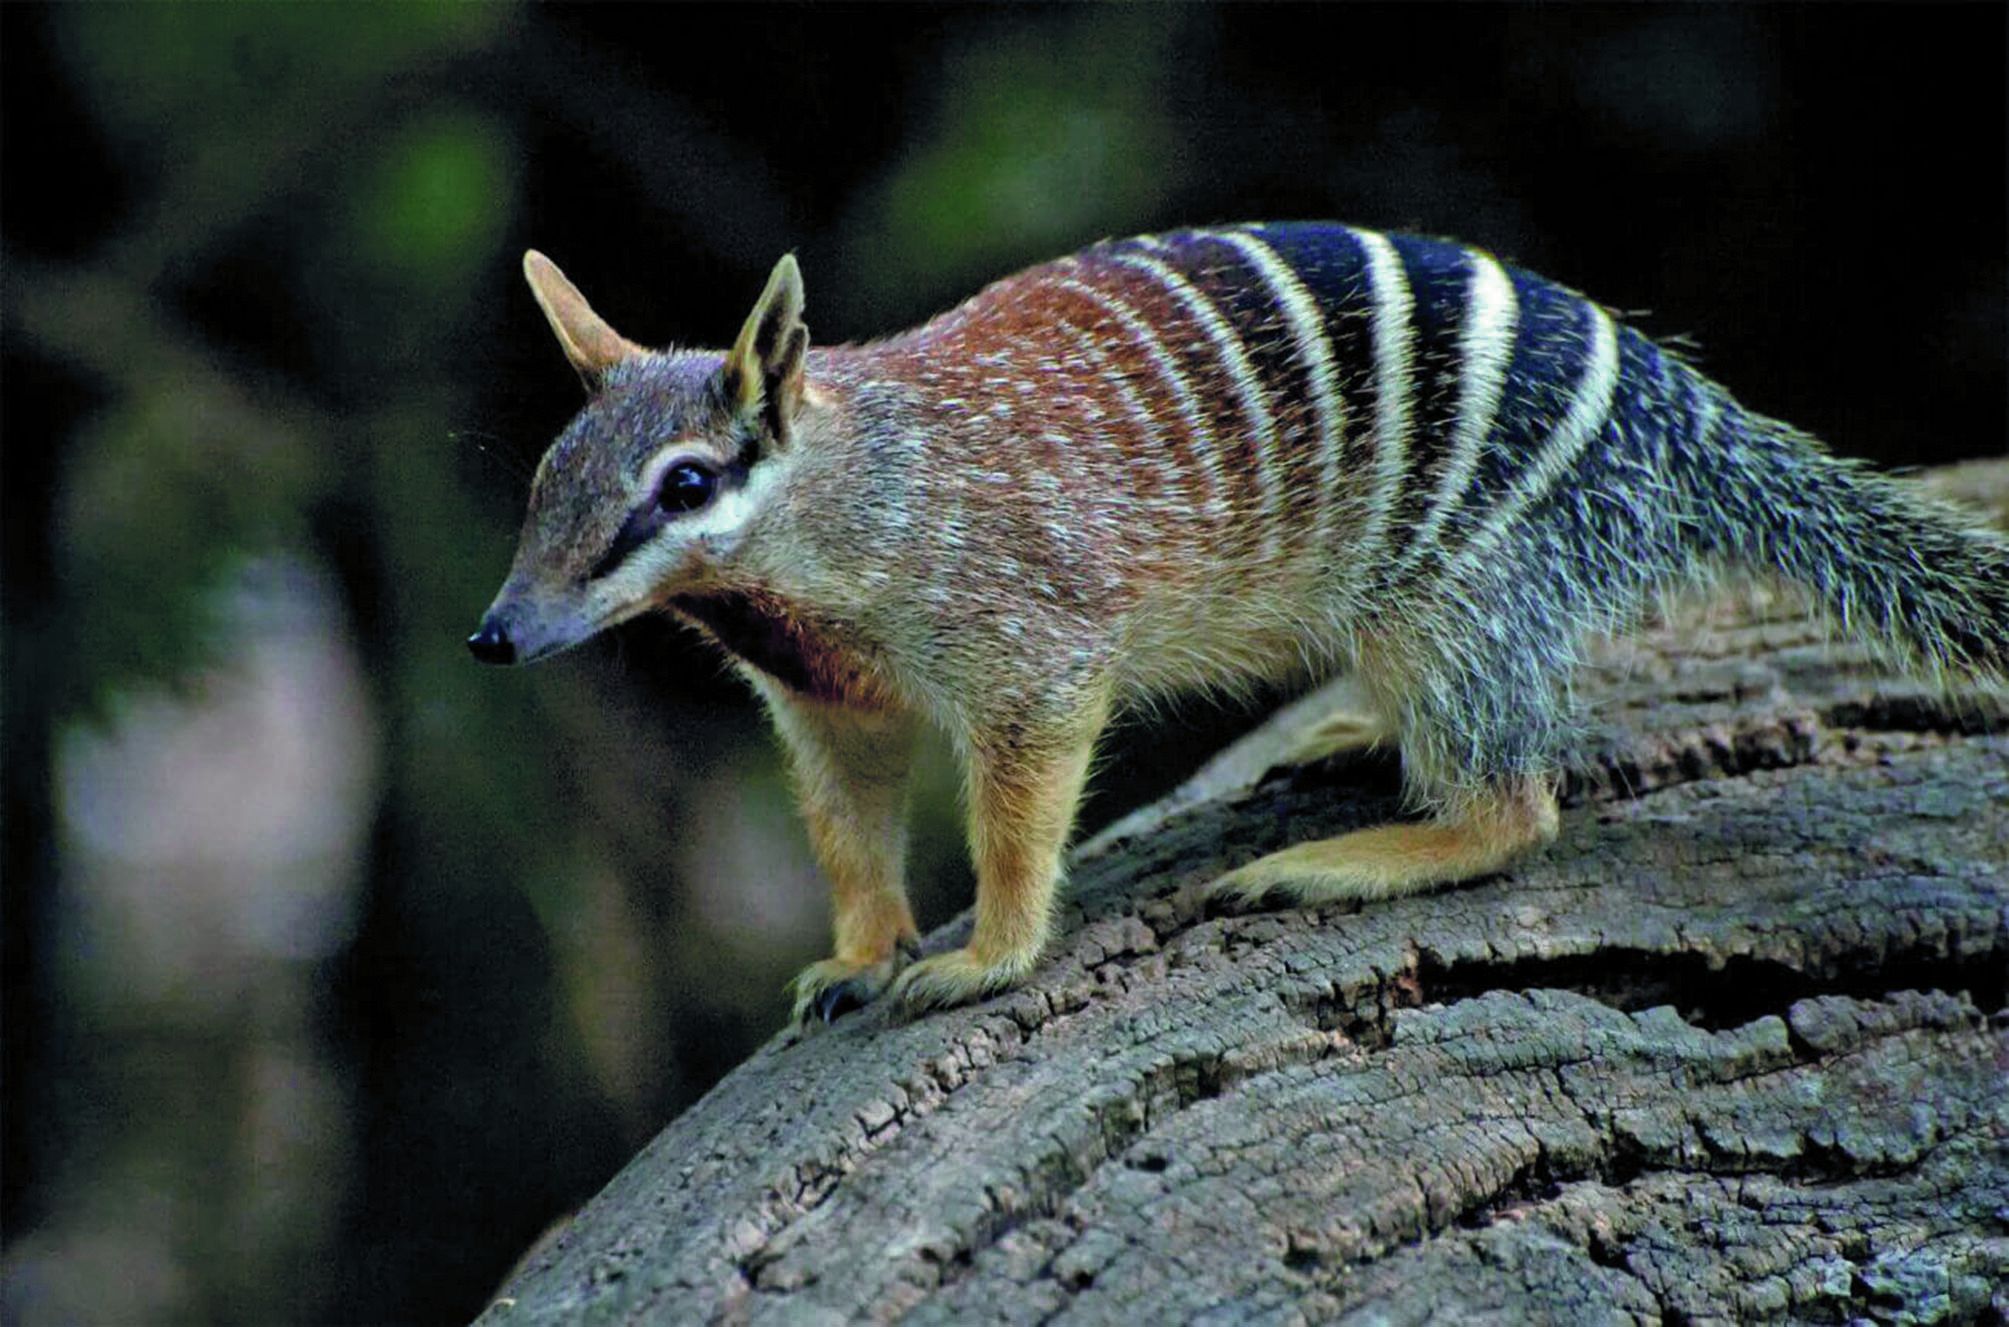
[{"x": 1736, "y": 1047}]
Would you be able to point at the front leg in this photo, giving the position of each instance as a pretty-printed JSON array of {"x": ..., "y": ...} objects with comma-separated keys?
[
  {"x": 1024, "y": 788},
  {"x": 851, "y": 769}
]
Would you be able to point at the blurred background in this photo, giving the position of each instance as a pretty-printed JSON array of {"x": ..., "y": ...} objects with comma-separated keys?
[{"x": 337, "y": 967}]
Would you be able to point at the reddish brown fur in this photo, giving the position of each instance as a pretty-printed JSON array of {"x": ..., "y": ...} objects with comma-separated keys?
[
  {"x": 1233, "y": 434},
  {"x": 1230, "y": 282},
  {"x": 1058, "y": 304},
  {"x": 1078, "y": 486},
  {"x": 817, "y": 658},
  {"x": 1134, "y": 472}
]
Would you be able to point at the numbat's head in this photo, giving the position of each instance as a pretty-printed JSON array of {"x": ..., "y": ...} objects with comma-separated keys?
[{"x": 649, "y": 492}]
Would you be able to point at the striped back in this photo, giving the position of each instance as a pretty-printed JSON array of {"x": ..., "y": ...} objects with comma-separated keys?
[{"x": 1326, "y": 392}]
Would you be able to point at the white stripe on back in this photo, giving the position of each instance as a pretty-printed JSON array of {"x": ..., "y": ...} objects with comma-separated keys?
[
  {"x": 1182, "y": 391},
  {"x": 1706, "y": 426},
  {"x": 1248, "y": 387},
  {"x": 1485, "y": 346},
  {"x": 1589, "y": 408},
  {"x": 1394, "y": 340},
  {"x": 1314, "y": 351}
]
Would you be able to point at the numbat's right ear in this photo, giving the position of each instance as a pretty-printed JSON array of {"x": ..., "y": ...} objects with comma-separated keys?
[
  {"x": 591, "y": 345},
  {"x": 763, "y": 371}
]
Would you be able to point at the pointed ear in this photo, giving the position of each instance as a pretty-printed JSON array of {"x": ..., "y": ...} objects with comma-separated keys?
[
  {"x": 763, "y": 371},
  {"x": 591, "y": 345}
]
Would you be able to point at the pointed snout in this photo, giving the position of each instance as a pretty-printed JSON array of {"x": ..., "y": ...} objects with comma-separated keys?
[
  {"x": 520, "y": 629},
  {"x": 491, "y": 642}
]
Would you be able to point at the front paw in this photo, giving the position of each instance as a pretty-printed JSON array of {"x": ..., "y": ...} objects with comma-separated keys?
[
  {"x": 957, "y": 977},
  {"x": 828, "y": 990}
]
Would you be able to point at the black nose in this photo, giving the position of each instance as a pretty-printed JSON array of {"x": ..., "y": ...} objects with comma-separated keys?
[{"x": 491, "y": 644}]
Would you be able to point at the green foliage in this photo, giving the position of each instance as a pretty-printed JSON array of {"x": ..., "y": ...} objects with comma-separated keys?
[
  {"x": 149, "y": 534},
  {"x": 177, "y": 73},
  {"x": 430, "y": 208},
  {"x": 1053, "y": 132},
  {"x": 180, "y": 479}
]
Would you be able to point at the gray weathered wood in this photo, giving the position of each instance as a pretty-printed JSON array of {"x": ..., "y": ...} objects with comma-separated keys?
[{"x": 1735, "y": 1047}]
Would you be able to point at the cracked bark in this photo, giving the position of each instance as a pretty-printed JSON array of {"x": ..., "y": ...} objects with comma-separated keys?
[{"x": 1736, "y": 1047}]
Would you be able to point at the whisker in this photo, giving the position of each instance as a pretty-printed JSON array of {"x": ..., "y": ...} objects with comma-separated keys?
[{"x": 492, "y": 446}]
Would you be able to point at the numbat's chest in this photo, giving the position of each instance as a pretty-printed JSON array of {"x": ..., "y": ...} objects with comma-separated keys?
[{"x": 818, "y": 659}]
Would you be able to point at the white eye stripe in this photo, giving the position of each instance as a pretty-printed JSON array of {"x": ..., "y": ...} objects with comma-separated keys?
[
  {"x": 735, "y": 504},
  {"x": 738, "y": 489},
  {"x": 658, "y": 557}
]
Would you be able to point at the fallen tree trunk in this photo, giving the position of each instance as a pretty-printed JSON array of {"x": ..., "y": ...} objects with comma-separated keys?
[{"x": 1735, "y": 1047}]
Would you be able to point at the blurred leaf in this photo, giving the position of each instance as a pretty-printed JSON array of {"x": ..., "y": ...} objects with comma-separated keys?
[
  {"x": 168, "y": 492},
  {"x": 163, "y": 71},
  {"x": 434, "y": 205},
  {"x": 1048, "y": 136}
]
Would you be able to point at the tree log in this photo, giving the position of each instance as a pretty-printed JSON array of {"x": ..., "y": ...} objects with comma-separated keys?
[{"x": 1735, "y": 1047}]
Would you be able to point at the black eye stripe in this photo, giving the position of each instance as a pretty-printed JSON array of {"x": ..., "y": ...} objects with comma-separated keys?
[
  {"x": 638, "y": 529},
  {"x": 645, "y": 521}
]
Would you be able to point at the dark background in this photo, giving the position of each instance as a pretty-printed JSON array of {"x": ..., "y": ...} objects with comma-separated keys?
[{"x": 337, "y": 968}]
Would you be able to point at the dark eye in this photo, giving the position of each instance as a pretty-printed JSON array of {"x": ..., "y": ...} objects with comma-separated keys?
[{"x": 686, "y": 487}]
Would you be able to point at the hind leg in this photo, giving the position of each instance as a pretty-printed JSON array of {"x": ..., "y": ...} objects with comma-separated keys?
[
  {"x": 1478, "y": 729},
  {"x": 1485, "y": 833}
]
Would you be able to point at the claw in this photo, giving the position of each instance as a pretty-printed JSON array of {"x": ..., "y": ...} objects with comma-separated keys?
[
  {"x": 1233, "y": 896},
  {"x": 826, "y": 991},
  {"x": 833, "y": 1002},
  {"x": 955, "y": 978}
]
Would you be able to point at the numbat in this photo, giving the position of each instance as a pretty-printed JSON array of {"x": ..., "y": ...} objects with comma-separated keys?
[{"x": 1188, "y": 461}]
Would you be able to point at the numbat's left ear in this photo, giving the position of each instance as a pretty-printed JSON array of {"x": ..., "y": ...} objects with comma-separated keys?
[
  {"x": 763, "y": 372},
  {"x": 591, "y": 345}
]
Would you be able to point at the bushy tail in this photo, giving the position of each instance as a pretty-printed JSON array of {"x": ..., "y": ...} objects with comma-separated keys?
[{"x": 1895, "y": 568}]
